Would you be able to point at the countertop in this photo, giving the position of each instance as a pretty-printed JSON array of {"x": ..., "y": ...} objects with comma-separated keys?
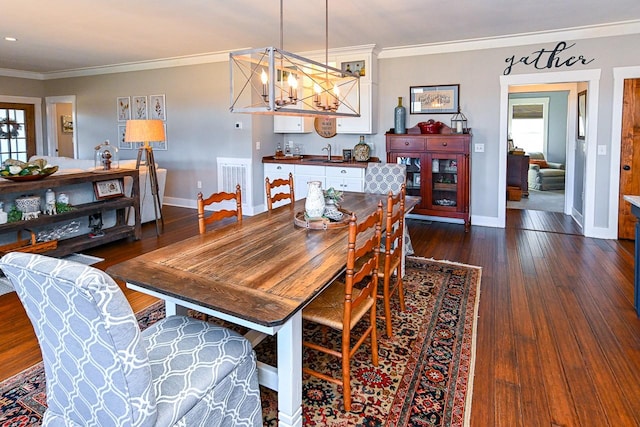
[{"x": 319, "y": 161}]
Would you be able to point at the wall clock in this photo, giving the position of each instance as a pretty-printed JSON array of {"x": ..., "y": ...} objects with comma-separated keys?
[{"x": 325, "y": 126}]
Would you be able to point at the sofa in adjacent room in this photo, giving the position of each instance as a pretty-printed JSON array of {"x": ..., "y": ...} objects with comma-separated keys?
[
  {"x": 78, "y": 195},
  {"x": 545, "y": 175}
]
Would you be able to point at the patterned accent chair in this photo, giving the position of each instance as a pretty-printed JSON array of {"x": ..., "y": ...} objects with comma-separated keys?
[
  {"x": 380, "y": 178},
  {"x": 102, "y": 370}
]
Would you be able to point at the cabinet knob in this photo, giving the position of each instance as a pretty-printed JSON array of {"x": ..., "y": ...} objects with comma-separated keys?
[
  {"x": 407, "y": 143},
  {"x": 343, "y": 171},
  {"x": 278, "y": 167},
  {"x": 444, "y": 144}
]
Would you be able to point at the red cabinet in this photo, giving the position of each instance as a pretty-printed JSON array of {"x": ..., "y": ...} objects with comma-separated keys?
[{"x": 438, "y": 170}]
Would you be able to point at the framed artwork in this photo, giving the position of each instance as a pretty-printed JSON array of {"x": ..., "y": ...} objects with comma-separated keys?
[
  {"x": 416, "y": 180},
  {"x": 157, "y": 107},
  {"x": 123, "y": 108},
  {"x": 139, "y": 108},
  {"x": 121, "y": 144},
  {"x": 108, "y": 189},
  {"x": 434, "y": 99},
  {"x": 346, "y": 155},
  {"x": 67, "y": 124},
  {"x": 582, "y": 114}
]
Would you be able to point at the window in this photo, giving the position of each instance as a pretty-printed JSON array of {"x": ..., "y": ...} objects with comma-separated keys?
[
  {"x": 17, "y": 136},
  {"x": 529, "y": 123}
]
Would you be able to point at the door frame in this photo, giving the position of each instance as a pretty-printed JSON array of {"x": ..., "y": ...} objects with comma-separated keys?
[
  {"x": 37, "y": 104},
  {"x": 592, "y": 78},
  {"x": 620, "y": 74},
  {"x": 52, "y": 124}
]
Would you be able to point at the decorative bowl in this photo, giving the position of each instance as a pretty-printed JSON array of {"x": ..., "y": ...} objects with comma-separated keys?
[
  {"x": 430, "y": 127},
  {"x": 16, "y": 170},
  {"x": 28, "y": 203}
]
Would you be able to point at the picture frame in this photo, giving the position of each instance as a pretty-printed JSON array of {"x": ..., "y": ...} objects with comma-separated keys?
[
  {"x": 123, "y": 108},
  {"x": 66, "y": 123},
  {"x": 347, "y": 155},
  {"x": 416, "y": 179},
  {"x": 581, "y": 130},
  {"x": 441, "y": 99},
  {"x": 157, "y": 107},
  {"x": 139, "y": 108},
  {"x": 108, "y": 189},
  {"x": 122, "y": 145}
]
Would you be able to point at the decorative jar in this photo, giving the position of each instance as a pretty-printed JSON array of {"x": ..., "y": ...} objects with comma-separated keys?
[
  {"x": 362, "y": 151},
  {"x": 314, "y": 205},
  {"x": 106, "y": 156}
]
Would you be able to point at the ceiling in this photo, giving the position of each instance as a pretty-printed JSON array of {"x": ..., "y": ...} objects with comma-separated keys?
[{"x": 77, "y": 34}]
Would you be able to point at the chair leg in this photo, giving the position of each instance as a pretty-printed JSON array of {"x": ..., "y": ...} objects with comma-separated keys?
[
  {"x": 374, "y": 336},
  {"x": 400, "y": 287},
  {"x": 346, "y": 369},
  {"x": 387, "y": 304}
]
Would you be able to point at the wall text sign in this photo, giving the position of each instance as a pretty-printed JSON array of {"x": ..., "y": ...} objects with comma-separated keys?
[{"x": 546, "y": 59}]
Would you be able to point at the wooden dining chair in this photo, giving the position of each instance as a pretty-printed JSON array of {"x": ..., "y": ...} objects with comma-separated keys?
[
  {"x": 348, "y": 299},
  {"x": 204, "y": 220},
  {"x": 391, "y": 259},
  {"x": 282, "y": 195}
]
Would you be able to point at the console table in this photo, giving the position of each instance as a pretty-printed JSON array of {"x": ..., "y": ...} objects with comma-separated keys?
[{"x": 10, "y": 190}]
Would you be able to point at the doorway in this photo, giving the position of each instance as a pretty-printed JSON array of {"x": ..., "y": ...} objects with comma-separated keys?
[
  {"x": 62, "y": 126},
  {"x": 629, "y": 157},
  {"x": 592, "y": 82}
]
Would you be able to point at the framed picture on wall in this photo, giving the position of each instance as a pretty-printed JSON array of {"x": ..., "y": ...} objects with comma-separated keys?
[
  {"x": 157, "y": 107},
  {"x": 67, "y": 123},
  {"x": 582, "y": 114},
  {"x": 139, "y": 108},
  {"x": 121, "y": 144},
  {"x": 443, "y": 99},
  {"x": 123, "y": 108}
]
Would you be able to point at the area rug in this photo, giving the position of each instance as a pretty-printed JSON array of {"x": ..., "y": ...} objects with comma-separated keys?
[
  {"x": 6, "y": 287},
  {"x": 424, "y": 376}
]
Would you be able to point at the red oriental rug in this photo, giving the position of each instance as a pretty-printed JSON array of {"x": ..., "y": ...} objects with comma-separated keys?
[{"x": 424, "y": 377}]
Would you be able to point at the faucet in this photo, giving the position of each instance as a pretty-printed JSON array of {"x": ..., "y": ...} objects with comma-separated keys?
[{"x": 328, "y": 148}]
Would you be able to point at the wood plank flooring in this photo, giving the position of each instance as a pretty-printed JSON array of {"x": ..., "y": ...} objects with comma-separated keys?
[{"x": 558, "y": 341}]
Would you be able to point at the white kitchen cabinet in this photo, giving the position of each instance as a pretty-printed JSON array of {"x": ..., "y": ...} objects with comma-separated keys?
[
  {"x": 292, "y": 124},
  {"x": 366, "y": 123},
  {"x": 345, "y": 178}
]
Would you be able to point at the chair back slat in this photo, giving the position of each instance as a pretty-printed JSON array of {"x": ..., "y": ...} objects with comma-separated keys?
[
  {"x": 283, "y": 193},
  {"x": 204, "y": 219}
]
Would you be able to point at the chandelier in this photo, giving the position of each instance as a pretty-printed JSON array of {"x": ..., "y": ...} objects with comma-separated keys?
[{"x": 273, "y": 81}]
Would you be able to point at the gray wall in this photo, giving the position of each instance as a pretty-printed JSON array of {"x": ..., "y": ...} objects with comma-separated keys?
[{"x": 200, "y": 127}]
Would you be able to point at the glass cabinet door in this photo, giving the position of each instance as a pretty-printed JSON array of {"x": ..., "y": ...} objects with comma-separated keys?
[
  {"x": 444, "y": 180},
  {"x": 413, "y": 174}
]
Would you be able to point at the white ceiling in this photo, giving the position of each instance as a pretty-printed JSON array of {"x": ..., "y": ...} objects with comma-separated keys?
[{"x": 63, "y": 35}]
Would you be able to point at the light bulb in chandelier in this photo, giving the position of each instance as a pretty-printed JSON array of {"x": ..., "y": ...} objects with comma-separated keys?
[{"x": 265, "y": 80}]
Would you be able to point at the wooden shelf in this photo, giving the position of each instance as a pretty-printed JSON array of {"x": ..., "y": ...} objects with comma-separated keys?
[{"x": 77, "y": 243}]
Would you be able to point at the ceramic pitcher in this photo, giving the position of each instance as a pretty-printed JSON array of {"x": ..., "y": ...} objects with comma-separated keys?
[{"x": 314, "y": 205}]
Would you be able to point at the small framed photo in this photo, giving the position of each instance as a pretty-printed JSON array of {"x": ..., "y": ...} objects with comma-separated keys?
[
  {"x": 108, "y": 189},
  {"x": 416, "y": 180},
  {"x": 67, "y": 123},
  {"x": 139, "y": 107},
  {"x": 123, "y": 108},
  {"x": 157, "y": 107},
  {"x": 346, "y": 155},
  {"x": 434, "y": 99},
  {"x": 121, "y": 144}
]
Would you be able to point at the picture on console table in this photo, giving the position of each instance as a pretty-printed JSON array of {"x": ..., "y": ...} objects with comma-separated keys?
[
  {"x": 434, "y": 99},
  {"x": 108, "y": 189}
]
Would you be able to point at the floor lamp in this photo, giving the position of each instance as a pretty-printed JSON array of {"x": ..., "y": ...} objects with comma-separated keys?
[{"x": 147, "y": 131}]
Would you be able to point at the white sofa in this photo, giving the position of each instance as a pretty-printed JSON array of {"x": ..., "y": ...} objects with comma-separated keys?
[{"x": 84, "y": 195}]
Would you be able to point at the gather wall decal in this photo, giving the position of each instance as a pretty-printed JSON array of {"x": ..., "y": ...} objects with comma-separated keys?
[{"x": 547, "y": 59}]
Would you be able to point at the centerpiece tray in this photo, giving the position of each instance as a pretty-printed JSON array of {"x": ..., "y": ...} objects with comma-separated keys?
[{"x": 302, "y": 220}]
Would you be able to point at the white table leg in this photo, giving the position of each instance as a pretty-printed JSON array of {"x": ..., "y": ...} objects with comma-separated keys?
[{"x": 290, "y": 372}]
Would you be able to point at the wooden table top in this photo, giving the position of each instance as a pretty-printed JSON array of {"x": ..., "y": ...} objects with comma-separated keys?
[{"x": 262, "y": 270}]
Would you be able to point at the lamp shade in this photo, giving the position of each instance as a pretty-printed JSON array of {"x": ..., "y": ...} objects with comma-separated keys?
[{"x": 144, "y": 131}]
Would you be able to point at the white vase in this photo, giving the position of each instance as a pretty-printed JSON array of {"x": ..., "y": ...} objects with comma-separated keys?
[{"x": 314, "y": 205}]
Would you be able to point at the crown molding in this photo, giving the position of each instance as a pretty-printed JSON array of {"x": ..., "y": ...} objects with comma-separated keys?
[{"x": 575, "y": 33}]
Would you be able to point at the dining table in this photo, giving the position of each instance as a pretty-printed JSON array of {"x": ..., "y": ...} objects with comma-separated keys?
[{"x": 258, "y": 273}]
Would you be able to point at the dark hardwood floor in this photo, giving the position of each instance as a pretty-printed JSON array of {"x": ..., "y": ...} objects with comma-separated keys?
[{"x": 558, "y": 341}]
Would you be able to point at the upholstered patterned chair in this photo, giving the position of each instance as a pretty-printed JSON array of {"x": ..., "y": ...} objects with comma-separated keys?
[
  {"x": 101, "y": 370},
  {"x": 380, "y": 178}
]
